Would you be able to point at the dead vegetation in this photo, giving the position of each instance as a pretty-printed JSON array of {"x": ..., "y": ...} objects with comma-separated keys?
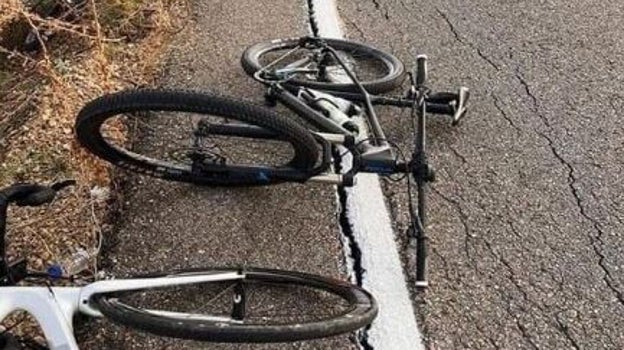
[{"x": 111, "y": 44}]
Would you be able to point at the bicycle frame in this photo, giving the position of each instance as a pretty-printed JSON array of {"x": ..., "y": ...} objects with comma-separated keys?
[
  {"x": 54, "y": 307},
  {"x": 373, "y": 148},
  {"x": 373, "y": 152}
]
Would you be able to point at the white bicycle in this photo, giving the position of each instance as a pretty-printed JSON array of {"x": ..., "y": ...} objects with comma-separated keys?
[{"x": 215, "y": 304}]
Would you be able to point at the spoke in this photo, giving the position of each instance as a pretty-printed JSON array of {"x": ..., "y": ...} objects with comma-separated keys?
[
  {"x": 298, "y": 64},
  {"x": 291, "y": 316},
  {"x": 220, "y": 294},
  {"x": 194, "y": 139},
  {"x": 279, "y": 59},
  {"x": 191, "y": 316},
  {"x": 138, "y": 121}
]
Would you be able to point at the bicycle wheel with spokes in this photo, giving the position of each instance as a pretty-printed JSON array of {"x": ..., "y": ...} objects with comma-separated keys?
[
  {"x": 378, "y": 71},
  {"x": 196, "y": 137},
  {"x": 263, "y": 305}
]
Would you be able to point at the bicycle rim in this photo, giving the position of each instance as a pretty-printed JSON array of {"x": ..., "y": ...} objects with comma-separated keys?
[
  {"x": 377, "y": 71},
  {"x": 279, "y": 306}
]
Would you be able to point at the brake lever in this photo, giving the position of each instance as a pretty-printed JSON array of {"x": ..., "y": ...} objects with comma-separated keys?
[
  {"x": 461, "y": 108},
  {"x": 57, "y": 186}
]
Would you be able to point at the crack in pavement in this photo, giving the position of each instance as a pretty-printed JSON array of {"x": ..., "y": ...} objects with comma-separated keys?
[
  {"x": 612, "y": 102},
  {"x": 535, "y": 106},
  {"x": 513, "y": 229},
  {"x": 487, "y": 335},
  {"x": 572, "y": 185},
  {"x": 381, "y": 271},
  {"x": 458, "y": 155},
  {"x": 566, "y": 331},
  {"x": 594, "y": 240},
  {"x": 402, "y": 2},
  {"x": 502, "y": 112},
  {"x": 444, "y": 262},
  {"x": 384, "y": 12},
  {"x": 511, "y": 276},
  {"x": 355, "y": 252},
  {"x": 467, "y": 43},
  {"x": 463, "y": 219},
  {"x": 560, "y": 326},
  {"x": 354, "y": 25}
]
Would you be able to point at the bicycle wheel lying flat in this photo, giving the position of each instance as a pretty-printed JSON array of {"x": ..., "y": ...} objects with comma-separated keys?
[
  {"x": 378, "y": 71},
  {"x": 262, "y": 306},
  {"x": 195, "y": 137}
]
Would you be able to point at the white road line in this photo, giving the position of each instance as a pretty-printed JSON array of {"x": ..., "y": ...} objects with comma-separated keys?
[
  {"x": 395, "y": 327},
  {"x": 328, "y": 19}
]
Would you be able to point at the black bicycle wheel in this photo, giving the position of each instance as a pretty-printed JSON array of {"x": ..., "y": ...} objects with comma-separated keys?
[
  {"x": 195, "y": 137},
  {"x": 262, "y": 306},
  {"x": 378, "y": 71}
]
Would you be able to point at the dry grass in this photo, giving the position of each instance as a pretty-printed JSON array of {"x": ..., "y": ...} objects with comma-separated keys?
[{"x": 116, "y": 43}]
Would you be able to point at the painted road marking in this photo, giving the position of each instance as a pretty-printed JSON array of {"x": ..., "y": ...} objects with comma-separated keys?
[{"x": 395, "y": 327}]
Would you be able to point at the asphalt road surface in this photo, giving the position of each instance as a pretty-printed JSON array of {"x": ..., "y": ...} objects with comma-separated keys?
[{"x": 526, "y": 217}]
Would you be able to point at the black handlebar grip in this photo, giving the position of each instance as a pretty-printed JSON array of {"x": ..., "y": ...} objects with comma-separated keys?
[
  {"x": 42, "y": 196},
  {"x": 442, "y": 97},
  {"x": 348, "y": 180},
  {"x": 421, "y": 70},
  {"x": 440, "y": 108},
  {"x": 33, "y": 194}
]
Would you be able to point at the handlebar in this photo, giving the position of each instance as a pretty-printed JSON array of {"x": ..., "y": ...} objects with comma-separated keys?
[
  {"x": 31, "y": 194},
  {"x": 26, "y": 195},
  {"x": 23, "y": 195}
]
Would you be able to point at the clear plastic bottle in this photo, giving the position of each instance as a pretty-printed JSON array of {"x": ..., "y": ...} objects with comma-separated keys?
[{"x": 78, "y": 262}]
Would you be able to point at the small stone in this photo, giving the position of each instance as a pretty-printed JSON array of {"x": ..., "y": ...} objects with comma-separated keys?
[{"x": 100, "y": 194}]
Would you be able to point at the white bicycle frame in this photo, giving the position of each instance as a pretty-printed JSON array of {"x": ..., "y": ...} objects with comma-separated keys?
[{"x": 54, "y": 307}]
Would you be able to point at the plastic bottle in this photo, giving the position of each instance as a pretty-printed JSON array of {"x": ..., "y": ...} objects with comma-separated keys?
[{"x": 73, "y": 265}]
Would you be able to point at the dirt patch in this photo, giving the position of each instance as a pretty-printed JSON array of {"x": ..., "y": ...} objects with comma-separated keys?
[{"x": 108, "y": 45}]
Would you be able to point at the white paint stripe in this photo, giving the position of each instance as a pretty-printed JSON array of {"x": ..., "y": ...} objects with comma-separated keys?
[
  {"x": 326, "y": 14},
  {"x": 395, "y": 327}
]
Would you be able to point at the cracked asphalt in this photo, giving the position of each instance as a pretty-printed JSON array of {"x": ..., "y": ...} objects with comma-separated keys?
[{"x": 526, "y": 219}]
